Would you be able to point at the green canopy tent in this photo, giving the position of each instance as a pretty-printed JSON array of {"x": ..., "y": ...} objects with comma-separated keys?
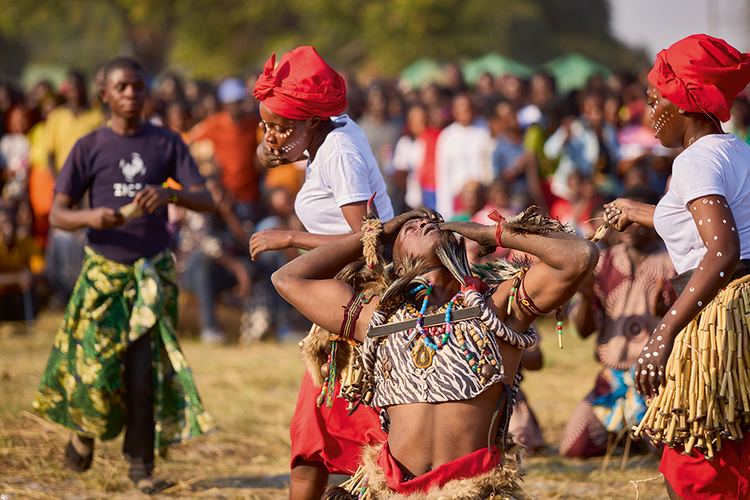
[
  {"x": 496, "y": 65},
  {"x": 422, "y": 72},
  {"x": 572, "y": 71},
  {"x": 36, "y": 72}
]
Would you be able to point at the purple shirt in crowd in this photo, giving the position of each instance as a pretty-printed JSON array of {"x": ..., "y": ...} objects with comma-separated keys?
[{"x": 113, "y": 168}]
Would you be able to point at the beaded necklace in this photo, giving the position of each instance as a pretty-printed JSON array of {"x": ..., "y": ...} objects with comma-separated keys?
[
  {"x": 425, "y": 347},
  {"x": 486, "y": 366}
]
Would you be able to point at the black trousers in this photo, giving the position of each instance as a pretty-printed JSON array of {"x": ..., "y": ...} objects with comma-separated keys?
[{"x": 138, "y": 447}]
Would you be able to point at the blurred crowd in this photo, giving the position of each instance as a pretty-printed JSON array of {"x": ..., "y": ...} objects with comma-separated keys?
[{"x": 505, "y": 143}]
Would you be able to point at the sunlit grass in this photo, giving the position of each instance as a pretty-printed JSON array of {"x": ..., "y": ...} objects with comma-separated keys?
[{"x": 251, "y": 391}]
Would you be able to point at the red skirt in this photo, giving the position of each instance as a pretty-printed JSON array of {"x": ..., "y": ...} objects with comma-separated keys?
[
  {"x": 330, "y": 435},
  {"x": 725, "y": 477},
  {"x": 470, "y": 465}
]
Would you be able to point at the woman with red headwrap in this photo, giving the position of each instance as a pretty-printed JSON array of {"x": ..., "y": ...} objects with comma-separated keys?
[
  {"x": 300, "y": 100},
  {"x": 704, "y": 219}
]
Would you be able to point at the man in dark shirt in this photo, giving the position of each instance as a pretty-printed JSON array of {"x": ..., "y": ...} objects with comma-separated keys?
[{"x": 116, "y": 362}]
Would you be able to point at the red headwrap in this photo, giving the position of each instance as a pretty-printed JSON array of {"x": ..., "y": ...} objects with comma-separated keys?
[
  {"x": 301, "y": 86},
  {"x": 701, "y": 74}
]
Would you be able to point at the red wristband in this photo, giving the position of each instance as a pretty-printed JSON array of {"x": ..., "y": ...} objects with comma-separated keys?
[
  {"x": 499, "y": 219},
  {"x": 474, "y": 283}
]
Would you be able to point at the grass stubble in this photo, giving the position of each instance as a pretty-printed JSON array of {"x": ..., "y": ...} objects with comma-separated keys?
[{"x": 251, "y": 391}]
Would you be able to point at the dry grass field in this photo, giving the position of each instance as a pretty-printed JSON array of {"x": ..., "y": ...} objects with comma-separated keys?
[{"x": 251, "y": 392}]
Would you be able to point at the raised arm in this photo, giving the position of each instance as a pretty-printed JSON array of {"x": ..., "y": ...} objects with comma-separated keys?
[
  {"x": 307, "y": 282},
  {"x": 565, "y": 260}
]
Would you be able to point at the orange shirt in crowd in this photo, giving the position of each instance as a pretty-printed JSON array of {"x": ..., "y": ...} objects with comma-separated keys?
[{"x": 235, "y": 145}]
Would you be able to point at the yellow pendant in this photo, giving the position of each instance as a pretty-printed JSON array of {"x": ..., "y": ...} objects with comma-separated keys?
[{"x": 422, "y": 355}]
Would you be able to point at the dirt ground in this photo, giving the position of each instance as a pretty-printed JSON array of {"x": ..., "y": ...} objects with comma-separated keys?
[{"x": 251, "y": 391}]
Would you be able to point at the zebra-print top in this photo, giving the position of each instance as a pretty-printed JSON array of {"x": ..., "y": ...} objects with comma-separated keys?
[{"x": 449, "y": 377}]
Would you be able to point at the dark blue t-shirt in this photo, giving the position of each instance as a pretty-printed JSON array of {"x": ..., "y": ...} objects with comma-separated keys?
[{"x": 113, "y": 168}]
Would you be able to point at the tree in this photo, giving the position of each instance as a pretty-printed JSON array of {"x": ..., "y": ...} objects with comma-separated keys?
[{"x": 210, "y": 38}]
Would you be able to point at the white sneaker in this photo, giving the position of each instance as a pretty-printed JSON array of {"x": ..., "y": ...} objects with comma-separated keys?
[
  {"x": 213, "y": 335},
  {"x": 256, "y": 322}
]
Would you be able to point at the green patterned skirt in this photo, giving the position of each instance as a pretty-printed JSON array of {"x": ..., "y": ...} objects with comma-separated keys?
[{"x": 113, "y": 304}]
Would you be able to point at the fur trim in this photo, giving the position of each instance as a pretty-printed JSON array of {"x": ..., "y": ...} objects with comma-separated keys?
[
  {"x": 398, "y": 291},
  {"x": 452, "y": 253},
  {"x": 336, "y": 493},
  {"x": 316, "y": 347},
  {"x": 534, "y": 221},
  {"x": 501, "y": 481},
  {"x": 498, "y": 271},
  {"x": 371, "y": 248}
]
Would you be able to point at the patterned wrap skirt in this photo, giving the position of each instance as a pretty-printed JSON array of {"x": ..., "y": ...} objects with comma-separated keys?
[{"x": 112, "y": 306}]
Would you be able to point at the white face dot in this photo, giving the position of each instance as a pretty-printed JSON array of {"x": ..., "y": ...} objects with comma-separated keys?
[
  {"x": 721, "y": 274},
  {"x": 726, "y": 206},
  {"x": 658, "y": 338},
  {"x": 700, "y": 304},
  {"x": 716, "y": 238},
  {"x": 700, "y": 222},
  {"x": 718, "y": 254},
  {"x": 692, "y": 289},
  {"x": 711, "y": 202},
  {"x": 724, "y": 221},
  {"x": 732, "y": 229},
  {"x": 663, "y": 327},
  {"x": 648, "y": 354},
  {"x": 705, "y": 201},
  {"x": 640, "y": 360},
  {"x": 709, "y": 220},
  {"x": 674, "y": 312},
  {"x": 695, "y": 208},
  {"x": 701, "y": 268},
  {"x": 661, "y": 346}
]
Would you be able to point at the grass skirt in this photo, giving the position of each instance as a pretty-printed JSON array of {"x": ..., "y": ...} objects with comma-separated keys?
[{"x": 705, "y": 399}]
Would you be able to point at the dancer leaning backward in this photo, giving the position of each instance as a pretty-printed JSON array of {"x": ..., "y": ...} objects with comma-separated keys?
[{"x": 440, "y": 350}]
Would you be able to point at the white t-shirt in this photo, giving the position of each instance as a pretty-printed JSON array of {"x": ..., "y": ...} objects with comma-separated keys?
[
  {"x": 460, "y": 157},
  {"x": 716, "y": 164},
  {"x": 409, "y": 157},
  {"x": 344, "y": 171}
]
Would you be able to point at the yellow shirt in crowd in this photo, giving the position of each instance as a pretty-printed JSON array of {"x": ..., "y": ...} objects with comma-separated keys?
[{"x": 64, "y": 128}]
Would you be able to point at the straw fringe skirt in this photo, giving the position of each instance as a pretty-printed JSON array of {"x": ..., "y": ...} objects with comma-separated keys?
[{"x": 706, "y": 396}]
